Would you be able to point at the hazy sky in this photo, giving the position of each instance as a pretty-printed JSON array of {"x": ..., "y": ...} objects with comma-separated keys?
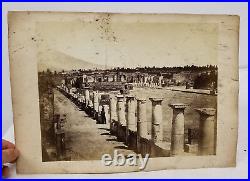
[{"x": 132, "y": 44}]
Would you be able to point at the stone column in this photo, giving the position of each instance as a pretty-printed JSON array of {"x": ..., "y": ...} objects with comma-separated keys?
[
  {"x": 177, "y": 136},
  {"x": 99, "y": 96},
  {"x": 121, "y": 110},
  {"x": 86, "y": 92},
  {"x": 96, "y": 101},
  {"x": 160, "y": 80},
  {"x": 157, "y": 129},
  {"x": 142, "y": 117},
  {"x": 121, "y": 131},
  {"x": 98, "y": 115},
  {"x": 106, "y": 111},
  {"x": 141, "y": 121},
  {"x": 207, "y": 131},
  {"x": 113, "y": 113},
  {"x": 96, "y": 105},
  {"x": 89, "y": 108},
  {"x": 131, "y": 121},
  {"x": 146, "y": 79},
  {"x": 112, "y": 105}
]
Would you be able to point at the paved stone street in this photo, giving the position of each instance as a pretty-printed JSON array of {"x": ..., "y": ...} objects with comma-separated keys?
[{"x": 84, "y": 139}]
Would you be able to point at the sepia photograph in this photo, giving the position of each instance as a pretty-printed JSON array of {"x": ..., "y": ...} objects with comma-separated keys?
[
  {"x": 114, "y": 92},
  {"x": 131, "y": 87}
]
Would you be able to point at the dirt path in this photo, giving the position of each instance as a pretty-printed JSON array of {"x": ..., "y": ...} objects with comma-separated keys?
[{"x": 84, "y": 139}]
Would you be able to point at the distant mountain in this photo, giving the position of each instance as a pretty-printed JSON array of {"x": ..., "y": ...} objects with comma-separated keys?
[{"x": 58, "y": 61}]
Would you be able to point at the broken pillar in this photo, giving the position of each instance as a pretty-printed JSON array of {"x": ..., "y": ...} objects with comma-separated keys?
[{"x": 207, "y": 131}]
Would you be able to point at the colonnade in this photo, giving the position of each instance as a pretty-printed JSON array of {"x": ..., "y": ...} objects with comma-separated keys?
[
  {"x": 150, "y": 84},
  {"x": 127, "y": 119}
]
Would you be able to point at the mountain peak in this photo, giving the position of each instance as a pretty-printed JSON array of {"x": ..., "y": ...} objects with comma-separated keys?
[{"x": 58, "y": 61}]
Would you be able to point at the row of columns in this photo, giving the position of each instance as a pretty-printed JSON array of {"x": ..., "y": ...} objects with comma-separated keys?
[
  {"x": 207, "y": 123},
  {"x": 150, "y": 85},
  {"x": 89, "y": 103},
  {"x": 115, "y": 112},
  {"x": 139, "y": 125}
]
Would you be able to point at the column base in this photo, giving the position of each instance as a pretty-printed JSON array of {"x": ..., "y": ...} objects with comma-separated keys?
[
  {"x": 131, "y": 140},
  {"x": 121, "y": 133}
]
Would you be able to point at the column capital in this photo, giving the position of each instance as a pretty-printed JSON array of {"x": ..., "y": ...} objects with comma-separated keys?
[
  {"x": 206, "y": 111},
  {"x": 130, "y": 97},
  {"x": 156, "y": 99},
  {"x": 86, "y": 88},
  {"x": 142, "y": 100},
  {"x": 178, "y": 106},
  {"x": 120, "y": 98}
]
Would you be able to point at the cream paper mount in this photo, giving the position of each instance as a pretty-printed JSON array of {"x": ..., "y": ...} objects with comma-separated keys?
[{"x": 89, "y": 84}]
